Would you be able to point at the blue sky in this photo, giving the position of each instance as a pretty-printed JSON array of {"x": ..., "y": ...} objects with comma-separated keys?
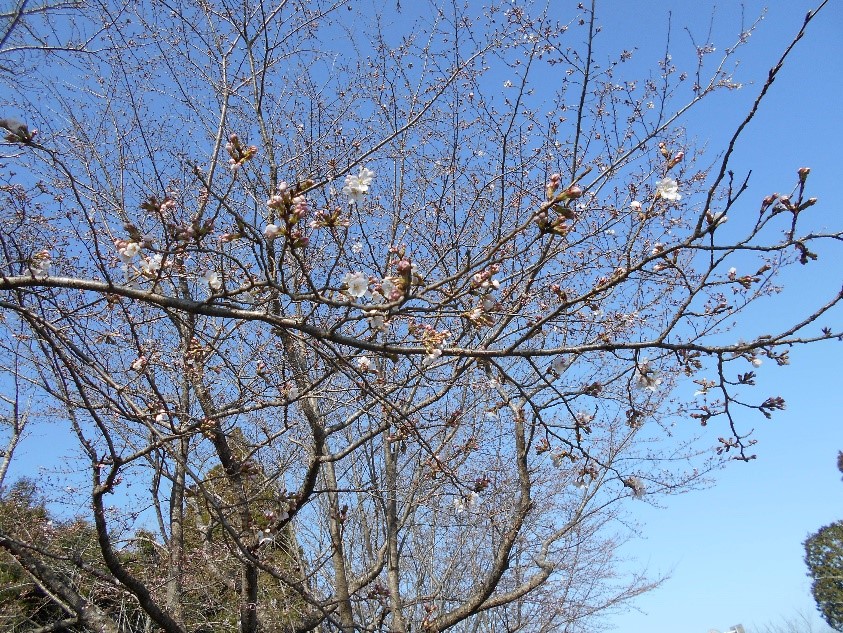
[{"x": 734, "y": 551}]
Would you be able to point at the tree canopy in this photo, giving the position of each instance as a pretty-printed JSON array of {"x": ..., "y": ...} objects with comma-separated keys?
[
  {"x": 359, "y": 323},
  {"x": 824, "y": 558}
]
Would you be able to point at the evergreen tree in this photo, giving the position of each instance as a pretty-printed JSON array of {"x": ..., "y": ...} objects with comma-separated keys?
[{"x": 824, "y": 557}]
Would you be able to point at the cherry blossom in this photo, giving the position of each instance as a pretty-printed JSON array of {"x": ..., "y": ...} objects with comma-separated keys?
[
  {"x": 272, "y": 231},
  {"x": 376, "y": 318},
  {"x": 646, "y": 377},
  {"x": 668, "y": 189},
  {"x": 434, "y": 354},
  {"x": 151, "y": 265},
  {"x": 716, "y": 219},
  {"x": 389, "y": 290},
  {"x": 357, "y": 284},
  {"x": 583, "y": 418},
  {"x": 636, "y": 485},
  {"x": 560, "y": 364},
  {"x": 213, "y": 280},
  {"x": 266, "y": 536},
  {"x": 358, "y": 186},
  {"x": 127, "y": 251}
]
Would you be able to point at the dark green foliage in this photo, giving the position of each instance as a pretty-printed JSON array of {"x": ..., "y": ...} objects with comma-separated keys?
[{"x": 824, "y": 557}]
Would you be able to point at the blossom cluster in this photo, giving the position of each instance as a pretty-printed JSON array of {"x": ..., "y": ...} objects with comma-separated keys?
[
  {"x": 357, "y": 186},
  {"x": 432, "y": 339},
  {"x": 356, "y": 284},
  {"x": 290, "y": 206},
  {"x": 646, "y": 377},
  {"x": 484, "y": 283},
  {"x": 238, "y": 153},
  {"x": 128, "y": 250}
]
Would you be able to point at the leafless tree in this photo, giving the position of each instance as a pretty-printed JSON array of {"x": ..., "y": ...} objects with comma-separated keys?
[
  {"x": 33, "y": 33},
  {"x": 360, "y": 328},
  {"x": 799, "y": 623}
]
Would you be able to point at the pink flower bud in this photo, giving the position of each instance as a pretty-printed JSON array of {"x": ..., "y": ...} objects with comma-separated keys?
[
  {"x": 574, "y": 192},
  {"x": 766, "y": 202}
]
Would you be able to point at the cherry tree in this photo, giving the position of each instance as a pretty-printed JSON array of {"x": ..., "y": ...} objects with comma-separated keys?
[{"x": 354, "y": 326}]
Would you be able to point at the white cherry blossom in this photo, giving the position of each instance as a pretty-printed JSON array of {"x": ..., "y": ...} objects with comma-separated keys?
[
  {"x": 271, "y": 231},
  {"x": 128, "y": 251},
  {"x": 646, "y": 377},
  {"x": 358, "y": 186},
  {"x": 213, "y": 280},
  {"x": 152, "y": 265},
  {"x": 357, "y": 284},
  {"x": 668, "y": 189}
]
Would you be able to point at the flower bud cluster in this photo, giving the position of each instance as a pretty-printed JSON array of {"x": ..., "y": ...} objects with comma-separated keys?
[
  {"x": 432, "y": 339},
  {"x": 558, "y": 225},
  {"x": 677, "y": 158},
  {"x": 768, "y": 201},
  {"x": 239, "y": 154},
  {"x": 573, "y": 191},
  {"x": 803, "y": 172},
  {"x": 484, "y": 280},
  {"x": 290, "y": 206},
  {"x": 552, "y": 185},
  {"x": 408, "y": 273},
  {"x": 484, "y": 283},
  {"x": 557, "y": 202},
  {"x": 194, "y": 231},
  {"x": 329, "y": 219}
]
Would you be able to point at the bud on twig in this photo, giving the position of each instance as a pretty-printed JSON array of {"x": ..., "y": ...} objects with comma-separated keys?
[
  {"x": 677, "y": 158},
  {"x": 803, "y": 174}
]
